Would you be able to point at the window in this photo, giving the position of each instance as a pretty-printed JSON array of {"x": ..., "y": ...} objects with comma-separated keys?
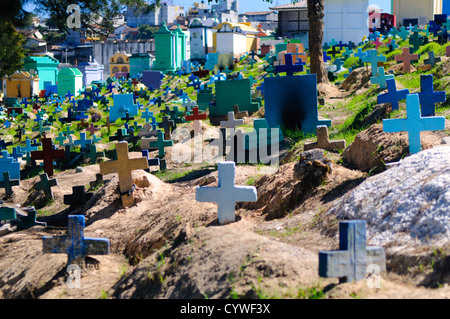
[{"x": 120, "y": 60}]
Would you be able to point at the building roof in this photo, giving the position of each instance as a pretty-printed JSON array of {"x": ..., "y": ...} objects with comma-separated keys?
[
  {"x": 257, "y": 13},
  {"x": 300, "y": 5},
  {"x": 245, "y": 26},
  {"x": 70, "y": 71},
  {"x": 42, "y": 60}
]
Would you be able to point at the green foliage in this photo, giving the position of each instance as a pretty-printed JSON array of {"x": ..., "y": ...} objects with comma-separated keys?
[{"x": 146, "y": 31}]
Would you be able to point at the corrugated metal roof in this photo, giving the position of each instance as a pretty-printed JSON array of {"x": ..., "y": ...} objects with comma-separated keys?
[{"x": 303, "y": 4}]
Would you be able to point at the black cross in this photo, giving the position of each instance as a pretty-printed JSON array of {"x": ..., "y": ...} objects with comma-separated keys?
[{"x": 78, "y": 197}]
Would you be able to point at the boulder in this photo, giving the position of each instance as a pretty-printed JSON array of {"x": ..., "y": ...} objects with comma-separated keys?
[{"x": 408, "y": 204}]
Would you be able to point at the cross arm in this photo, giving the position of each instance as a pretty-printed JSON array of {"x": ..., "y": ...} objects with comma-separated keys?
[{"x": 96, "y": 246}]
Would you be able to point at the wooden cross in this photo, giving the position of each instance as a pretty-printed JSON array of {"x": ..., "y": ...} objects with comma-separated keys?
[
  {"x": 123, "y": 166},
  {"x": 48, "y": 154}
]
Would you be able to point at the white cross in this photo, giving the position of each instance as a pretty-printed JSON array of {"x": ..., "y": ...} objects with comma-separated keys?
[{"x": 226, "y": 195}]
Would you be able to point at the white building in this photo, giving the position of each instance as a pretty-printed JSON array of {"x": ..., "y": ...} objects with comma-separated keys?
[
  {"x": 346, "y": 20},
  {"x": 165, "y": 12},
  {"x": 201, "y": 37}
]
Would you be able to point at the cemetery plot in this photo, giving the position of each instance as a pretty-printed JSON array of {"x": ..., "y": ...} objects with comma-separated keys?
[{"x": 196, "y": 170}]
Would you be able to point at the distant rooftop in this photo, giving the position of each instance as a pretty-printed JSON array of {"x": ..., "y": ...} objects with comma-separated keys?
[
  {"x": 303, "y": 4},
  {"x": 256, "y": 13}
]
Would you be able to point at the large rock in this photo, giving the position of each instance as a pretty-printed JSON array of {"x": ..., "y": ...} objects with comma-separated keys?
[{"x": 408, "y": 204}]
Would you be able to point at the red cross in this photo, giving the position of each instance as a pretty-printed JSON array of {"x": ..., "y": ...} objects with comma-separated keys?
[
  {"x": 196, "y": 117},
  {"x": 48, "y": 154}
]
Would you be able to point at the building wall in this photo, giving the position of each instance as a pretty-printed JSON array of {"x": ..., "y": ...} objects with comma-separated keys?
[
  {"x": 103, "y": 51},
  {"x": 292, "y": 22},
  {"x": 423, "y": 10},
  {"x": 346, "y": 20},
  {"x": 165, "y": 13},
  {"x": 230, "y": 42}
]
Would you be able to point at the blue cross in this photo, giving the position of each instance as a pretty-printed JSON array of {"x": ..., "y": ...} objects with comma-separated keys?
[
  {"x": 28, "y": 147},
  {"x": 16, "y": 153},
  {"x": 393, "y": 32},
  {"x": 326, "y": 58},
  {"x": 428, "y": 97},
  {"x": 147, "y": 115},
  {"x": 75, "y": 245},
  {"x": 347, "y": 53},
  {"x": 432, "y": 59},
  {"x": 434, "y": 27},
  {"x": 7, "y": 164},
  {"x": 373, "y": 58},
  {"x": 83, "y": 141},
  {"x": 25, "y": 102},
  {"x": 403, "y": 33},
  {"x": 381, "y": 78},
  {"x": 350, "y": 262},
  {"x": 338, "y": 63},
  {"x": 289, "y": 67},
  {"x": 360, "y": 54},
  {"x": 392, "y": 96},
  {"x": 414, "y": 123},
  {"x": 69, "y": 95}
]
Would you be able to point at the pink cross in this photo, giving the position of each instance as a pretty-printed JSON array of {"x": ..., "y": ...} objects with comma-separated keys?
[
  {"x": 447, "y": 51},
  {"x": 377, "y": 43},
  {"x": 196, "y": 117}
]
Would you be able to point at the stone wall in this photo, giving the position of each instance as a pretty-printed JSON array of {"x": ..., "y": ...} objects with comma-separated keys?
[{"x": 104, "y": 50}]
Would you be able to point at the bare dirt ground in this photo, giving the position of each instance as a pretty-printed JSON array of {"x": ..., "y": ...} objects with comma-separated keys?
[{"x": 170, "y": 246}]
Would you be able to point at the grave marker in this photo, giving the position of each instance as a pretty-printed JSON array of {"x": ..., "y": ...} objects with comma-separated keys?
[
  {"x": 123, "y": 167},
  {"x": 226, "y": 194},
  {"x": 392, "y": 96},
  {"x": 350, "y": 262},
  {"x": 7, "y": 184},
  {"x": 381, "y": 78},
  {"x": 78, "y": 197},
  {"x": 428, "y": 97},
  {"x": 323, "y": 141},
  {"x": 414, "y": 123},
  {"x": 160, "y": 143},
  {"x": 406, "y": 57},
  {"x": 75, "y": 245},
  {"x": 196, "y": 117},
  {"x": 46, "y": 186}
]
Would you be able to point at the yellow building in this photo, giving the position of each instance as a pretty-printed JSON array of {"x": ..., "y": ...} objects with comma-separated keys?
[
  {"x": 119, "y": 64},
  {"x": 21, "y": 84},
  {"x": 236, "y": 38}
]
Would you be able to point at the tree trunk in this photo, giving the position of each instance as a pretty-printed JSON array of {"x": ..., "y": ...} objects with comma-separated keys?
[{"x": 316, "y": 25}]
